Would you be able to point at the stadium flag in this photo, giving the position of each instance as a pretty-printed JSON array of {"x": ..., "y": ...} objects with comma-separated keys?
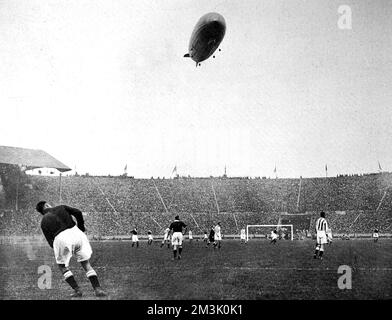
[
  {"x": 379, "y": 166},
  {"x": 174, "y": 170},
  {"x": 326, "y": 170},
  {"x": 276, "y": 176},
  {"x": 125, "y": 168}
]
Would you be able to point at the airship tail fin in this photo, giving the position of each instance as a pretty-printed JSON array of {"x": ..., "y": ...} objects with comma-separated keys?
[{"x": 186, "y": 55}]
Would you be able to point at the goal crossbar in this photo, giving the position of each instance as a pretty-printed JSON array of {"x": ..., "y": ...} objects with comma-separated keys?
[{"x": 269, "y": 225}]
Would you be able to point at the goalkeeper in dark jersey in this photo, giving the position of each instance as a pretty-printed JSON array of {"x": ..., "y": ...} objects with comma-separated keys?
[{"x": 67, "y": 239}]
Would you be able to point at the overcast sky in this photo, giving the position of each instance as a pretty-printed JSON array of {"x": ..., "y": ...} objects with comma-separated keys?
[{"x": 102, "y": 84}]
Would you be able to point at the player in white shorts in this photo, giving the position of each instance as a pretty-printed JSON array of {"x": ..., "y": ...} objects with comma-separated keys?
[
  {"x": 166, "y": 238},
  {"x": 217, "y": 236},
  {"x": 190, "y": 235},
  {"x": 135, "y": 239},
  {"x": 243, "y": 236},
  {"x": 150, "y": 238},
  {"x": 321, "y": 236},
  {"x": 176, "y": 228},
  {"x": 375, "y": 235},
  {"x": 274, "y": 236},
  {"x": 68, "y": 239}
]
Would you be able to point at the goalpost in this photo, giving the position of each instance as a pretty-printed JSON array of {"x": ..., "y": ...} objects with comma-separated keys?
[{"x": 277, "y": 226}]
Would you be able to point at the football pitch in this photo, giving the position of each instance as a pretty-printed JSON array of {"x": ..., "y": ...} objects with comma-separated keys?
[{"x": 252, "y": 271}]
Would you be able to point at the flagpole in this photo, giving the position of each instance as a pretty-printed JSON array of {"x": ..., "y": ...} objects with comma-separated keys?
[
  {"x": 17, "y": 191},
  {"x": 174, "y": 170},
  {"x": 379, "y": 167},
  {"x": 299, "y": 193}
]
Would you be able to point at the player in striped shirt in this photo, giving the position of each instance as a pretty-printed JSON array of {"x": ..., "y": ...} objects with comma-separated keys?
[{"x": 321, "y": 236}]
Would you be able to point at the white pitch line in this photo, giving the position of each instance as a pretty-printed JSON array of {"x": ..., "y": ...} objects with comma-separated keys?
[
  {"x": 305, "y": 269},
  {"x": 245, "y": 268}
]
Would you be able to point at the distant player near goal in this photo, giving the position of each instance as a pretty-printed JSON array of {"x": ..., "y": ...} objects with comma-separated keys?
[
  {"x": 243, "y": 235},
  {"x": 135, "y": 238},
  {"x": 190, "y": 235},
  {"x": 321, "y": 236},
  {"x": 166, "y": 238},
  {"x": 177, "y": 228},
  {"x": 274, "y": 236},
  {"x": 375, "y": 235},
  {"x": 68, "y": 239}
]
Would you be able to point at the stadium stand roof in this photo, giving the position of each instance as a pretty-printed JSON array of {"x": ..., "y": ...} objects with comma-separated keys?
[{"x": 30, "y": 158}]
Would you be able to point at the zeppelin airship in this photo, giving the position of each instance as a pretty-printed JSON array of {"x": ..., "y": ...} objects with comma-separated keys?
[{"x": 206, "y": 37}]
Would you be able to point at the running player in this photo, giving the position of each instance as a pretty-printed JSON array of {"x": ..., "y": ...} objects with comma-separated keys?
[
  {"x": 375, "y": 235},
  {"x": 321, "y": 236},
  {"x": 150, "y": 237},
  {"x": 205, "y": 239},
  {"x": 217, "y": 236},
  {"x": 166, "y": 238},
  {"x": 243, "y": 236},
  {"x": 211, "y": 237},
  {"x": 274, "y": 236},
  {"x": 67, "y": 239},
  {"x": 176, "y": 228},
  {"x": 135, "y": 238}
]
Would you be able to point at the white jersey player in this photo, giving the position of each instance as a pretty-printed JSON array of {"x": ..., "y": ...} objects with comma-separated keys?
[
  {"x": 321, "y": 236},
  {"x": 166, "y": 238},
  {"x": 150, "y": 238},
  {"x": 135, "y": 239},
  {"x": 190, "y": 235},
  {"x": 274, "y": 236},
  {"x": 375, "y": 235},
  {"x": 243, "y": 235},
  {"x": 217, "y": 236}
]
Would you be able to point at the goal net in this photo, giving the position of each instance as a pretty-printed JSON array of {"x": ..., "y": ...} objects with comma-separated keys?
[{"x": 263, "y": 231}]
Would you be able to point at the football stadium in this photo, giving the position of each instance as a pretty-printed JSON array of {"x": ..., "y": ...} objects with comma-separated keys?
[
  {"x": 196, "y": 150},
  {"x": 113, "y": 206}
]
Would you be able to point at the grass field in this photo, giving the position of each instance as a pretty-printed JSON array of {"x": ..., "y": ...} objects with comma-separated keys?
[{"x": 257, "y": 270}]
